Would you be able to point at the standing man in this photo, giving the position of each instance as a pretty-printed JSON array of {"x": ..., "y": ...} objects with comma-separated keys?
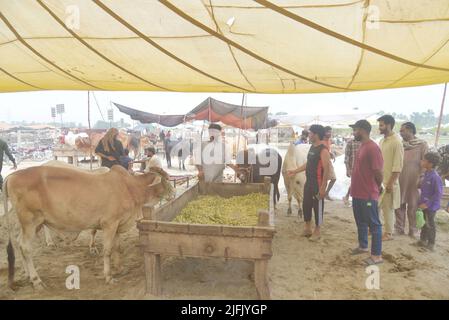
[
  {"x": 5, "y": 149},
  {"x": 162, "y": 136},
  {"x": 317, "y": 175},
  {"x": 332, "y": 176},
  {"x": 393, "y": 155},
  {"x": 366, "y": 186},
  {"x": 414, "y": 151},
  {"x": 352, "y": 146},
  {"x": 214, "y": 157}
]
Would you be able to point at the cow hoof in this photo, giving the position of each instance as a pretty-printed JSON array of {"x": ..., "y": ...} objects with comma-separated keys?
[
  {"x": 38, "y": 285},
  {"x": 289, "y": 211},
  {"x": 120, "y": 271},
  {"x": 94, "y": 251},
  {"x": 111, "y": 280},
  {"x": 51, "y": 245}
]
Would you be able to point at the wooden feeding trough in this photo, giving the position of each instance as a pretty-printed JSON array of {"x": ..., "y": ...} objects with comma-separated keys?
[{"x": 159, "y": 236}]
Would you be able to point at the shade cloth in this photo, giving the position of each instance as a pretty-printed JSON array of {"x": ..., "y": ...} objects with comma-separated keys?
[
  {"x": 211, "y": 110},
  {"x": 277, "y": 46}
]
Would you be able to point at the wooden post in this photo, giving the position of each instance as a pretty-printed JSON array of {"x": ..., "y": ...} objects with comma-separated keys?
[
  {"x": 437, "y": 136},
  {"x": 90, "y": 132},
  {"x": 261, "y": 279},
  {"x": 148, "y": 212},
  {"x": 267, "y": 184},
  {"x": 264, "y": 219},
  {"x": 153, "y": 274}
]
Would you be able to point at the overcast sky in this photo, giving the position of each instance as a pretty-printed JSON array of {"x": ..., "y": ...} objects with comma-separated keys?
[{"x": 36, "y": 106}]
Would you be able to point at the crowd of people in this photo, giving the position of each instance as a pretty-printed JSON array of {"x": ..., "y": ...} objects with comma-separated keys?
[{"x": 397, "y": 177}]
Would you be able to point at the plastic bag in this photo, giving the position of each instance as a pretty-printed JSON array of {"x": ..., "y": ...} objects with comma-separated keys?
[{"x": 420, "y": 221}]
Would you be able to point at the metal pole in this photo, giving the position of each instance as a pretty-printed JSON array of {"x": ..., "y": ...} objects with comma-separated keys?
[{"x": 437, "y": 136}]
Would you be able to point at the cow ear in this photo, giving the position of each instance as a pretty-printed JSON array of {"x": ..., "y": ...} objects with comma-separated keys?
[{"x": 156, "y": 181}]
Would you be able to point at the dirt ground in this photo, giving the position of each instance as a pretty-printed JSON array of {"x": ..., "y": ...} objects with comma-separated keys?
[{"x": 299, "y": 269}]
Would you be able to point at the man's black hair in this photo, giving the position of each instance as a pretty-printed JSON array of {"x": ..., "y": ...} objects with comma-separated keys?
[
  {"x": 327, "y": 128},
  {"x": 318, "y": 129},
  {"x": 410, "y": 126},
  {"x": 126, "y": 151},
  {"x": 151, "y": 149},
  {"x": 433, "y": 158},
  {"x": 387, "y": 119}
]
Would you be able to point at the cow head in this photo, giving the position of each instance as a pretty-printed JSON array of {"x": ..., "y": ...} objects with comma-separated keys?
[
  {"x": 243, "y": 173},
  {"x": 158, "y": 186},
  {"x": 245, "y": 161}
]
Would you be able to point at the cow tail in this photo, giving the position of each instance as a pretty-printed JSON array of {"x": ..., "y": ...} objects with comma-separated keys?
[{"x": 9, "y": 247}]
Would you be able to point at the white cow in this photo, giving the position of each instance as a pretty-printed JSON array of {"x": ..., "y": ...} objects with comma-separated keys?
[{"x": 296, "y": 156}]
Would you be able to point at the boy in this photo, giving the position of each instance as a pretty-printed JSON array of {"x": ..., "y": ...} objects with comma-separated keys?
[
  {"x": 431, "y": 192},
  {"x": 125, "y": 160}
]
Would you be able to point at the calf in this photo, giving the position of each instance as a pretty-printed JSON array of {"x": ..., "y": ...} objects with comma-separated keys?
[{"x": 258, "y": 162}]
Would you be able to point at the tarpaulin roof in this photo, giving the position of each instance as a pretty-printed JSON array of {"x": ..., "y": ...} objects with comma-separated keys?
[
  {"x": 211, "y": 110},
  {"x": 330, "y": 119},
  {"x": 277, "y": 46}
]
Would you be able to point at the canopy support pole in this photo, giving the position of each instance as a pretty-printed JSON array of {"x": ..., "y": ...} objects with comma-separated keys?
[
  {"x": 88, "y": 123},
  {"x": 437, "y": 136}
]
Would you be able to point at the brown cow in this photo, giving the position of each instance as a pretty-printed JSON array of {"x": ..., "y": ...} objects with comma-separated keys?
[{"x": 70, "y": 201}]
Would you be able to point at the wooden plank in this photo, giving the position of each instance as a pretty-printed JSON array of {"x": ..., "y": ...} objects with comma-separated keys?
[
  {"x": 261, "y": 279},
  {"x": 194, "y": 245},
  {"x": 172, "y": 227},
  {"x": 271, "y": 207},
  {"x": 147, "y": 225},
  {"x": 263, "y": 232},
  {"x": 227, "y": 190},
  {"x": 235, "y": 231},
  {"x": 172, "y": 208},
  {"x": 206, "y": 229},
  {"x": 153, "y": 275}
]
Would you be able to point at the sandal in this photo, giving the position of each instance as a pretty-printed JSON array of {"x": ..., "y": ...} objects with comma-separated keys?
[
  {"x": 387, "y": 237},
  {"x": 307, "y": 234},
  {"x": 370, "y": 262},
  {"x": 358, "y": 250},
  {"x": 315, "y": 238}
]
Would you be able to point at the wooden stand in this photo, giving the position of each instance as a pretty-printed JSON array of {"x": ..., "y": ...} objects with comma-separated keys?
[
  {"x": 71, "y": 155},
  {"x": 159, "y": 236}
]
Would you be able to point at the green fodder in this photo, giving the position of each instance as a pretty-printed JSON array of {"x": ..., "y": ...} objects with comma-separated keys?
[{"x": 234, "y": 211}]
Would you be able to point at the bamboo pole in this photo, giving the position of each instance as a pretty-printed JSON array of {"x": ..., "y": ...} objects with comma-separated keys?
[
  {"x": 437, "y": 136},
  {"x": 88, "y": 123}
]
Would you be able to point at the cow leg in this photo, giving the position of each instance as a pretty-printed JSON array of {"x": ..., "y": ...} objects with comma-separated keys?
[
  {"x": 299, "y": 200},
  {"x": 92, "y": 248},
  {"x": 29, "y": 228},
  {"x": 289, "y": 210},
  {"x": 116, "y": 255},
  {"x": 48, "y": 239},
  {"x": 109, "y": 234}
]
